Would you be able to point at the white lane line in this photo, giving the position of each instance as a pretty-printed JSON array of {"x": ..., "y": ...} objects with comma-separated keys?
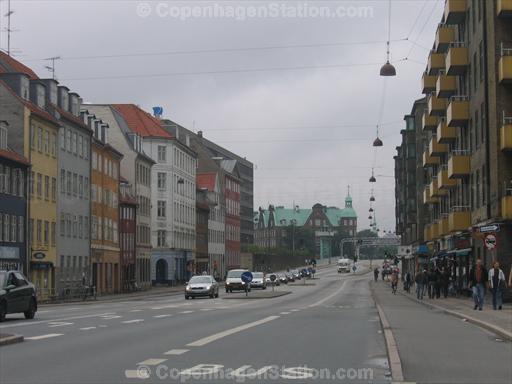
[
  {"x": 294, "y": 310},
  {"x": 167, "y": 306},
  {"x": 162, "y": 316},
  {"x": 132, "y": 321},
  {"x": 60, "y": 324},
  {"x": 136, "y": 310},
  {"x": 220, "y": 335},
  {"x": 284, "y": 313},
  {"x": 184, "y": 312},
  {"x": 87, "y": 328},
  {"x": 337, "y": 292},
  {"x": 207, "y": 309},
  {"x": 132, "y": 374},
  {"x": 110, "y": 317},
  {"x": 102, "y": 326},
  {"x": 22, "y": 324},
  {"x": 152, "y": 362},
  {"x": 176, "y": 351},
  {"x": 41, "y": 337}
]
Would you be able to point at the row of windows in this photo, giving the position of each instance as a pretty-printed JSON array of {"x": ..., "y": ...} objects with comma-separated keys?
[
  {"x": 127, "y": 241},
  {"x": 144, "y": 207},
  {"x": 74, "y": 184},
  {"x": 12, "y": 228},
  {"x": 104, "y": 228},
  {"x": 127, "y": 213},
  {"x": 181, "y": 240},
  {"x": 43, "y": 140},
  {"x": 143, "y": 175},
  {"x": 232, "y": 207},
  {"x": 74, "y": 226},
  {"x": 104, "y": 196},
  {"x": 74, "y": 143},
  {"x": 215, "y": 236},
  {"x": 184, "y": 214},
  {"x": 104, "y": 165},
  {"x": 12, "y": 181},
  {"x": 232, "y": 232},
  {"x": 143, "y": 234},
  {"x": 42, "y": 232},
  {"x": 184, "y": 161},
  {"x": 232, "y": 185},
  {"x": 49, "y": 189},
  {"x": 184, "y": 187}
]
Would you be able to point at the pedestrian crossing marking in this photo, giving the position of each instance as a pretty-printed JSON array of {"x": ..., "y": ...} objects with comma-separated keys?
[
  {"x": 152, "y": 362},
  {"x": 176, "y": 351}
]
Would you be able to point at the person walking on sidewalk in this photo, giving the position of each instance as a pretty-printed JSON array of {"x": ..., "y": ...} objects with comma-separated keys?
[
  {"x": 497, "y": 285},
  {"x": 438, "y": 282},
  {"x": 376, "y": 273},
  {"x": 445, "y": 281},
  {"x": 477, "y": 279},
  {"x": 431, "y": 283},
  {"x": 419, "y": 279}
]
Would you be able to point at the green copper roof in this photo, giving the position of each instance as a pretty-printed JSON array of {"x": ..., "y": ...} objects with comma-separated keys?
[{"x": 289, "y": 214}]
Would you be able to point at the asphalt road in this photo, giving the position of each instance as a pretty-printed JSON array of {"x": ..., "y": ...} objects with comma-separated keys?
[{"x": 329, "y": 331}]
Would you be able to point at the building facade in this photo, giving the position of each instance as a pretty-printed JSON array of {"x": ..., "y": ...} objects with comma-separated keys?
[
  {"x": 127, "y": 235},
  {"x": 202, "y": 215},
  {"x": 233, "y": 222}
]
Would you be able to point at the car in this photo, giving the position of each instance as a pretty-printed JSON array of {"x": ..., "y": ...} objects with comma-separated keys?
[
  {"x": 282, "y": 278},
  {"x": 201, "y": 285},
  {"x": 269, "y": 281},
  {"x": 258, "y": 280},
  {"x": 305, "y": 273},
  {"x": 296, "y": 274},
  {"x": 234, "y": 281},
  {"x": 290, "y": 277},
  {"x": 17, "y": 295}
]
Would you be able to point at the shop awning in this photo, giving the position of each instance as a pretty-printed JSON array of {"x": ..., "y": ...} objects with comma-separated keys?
[{"x": 460, "y": 252}]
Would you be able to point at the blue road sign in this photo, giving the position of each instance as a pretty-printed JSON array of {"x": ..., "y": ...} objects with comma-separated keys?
[{"x": 246, "y": 277}]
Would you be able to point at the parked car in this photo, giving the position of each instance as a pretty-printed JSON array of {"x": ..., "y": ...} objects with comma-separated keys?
[
  {"x": 17, "y": 295},
  {"x": 201, "y": 285},
  {"x": 282, "y": 278},
  {"x": 296, "y": 274},
  {"x": 290, "y": 276},
  {"x": 269, "y": 281},
  {"x": 234, "y": 281},
  {"x": 258, "y": 280},
  {"x": 305, "y": 273}
]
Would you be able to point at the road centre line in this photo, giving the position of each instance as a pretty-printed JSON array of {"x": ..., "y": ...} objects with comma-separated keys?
[
  {"x": 41, "y": 337},
  {"x": 24, "y": 324},
  {"x": 337, "y": 292}
]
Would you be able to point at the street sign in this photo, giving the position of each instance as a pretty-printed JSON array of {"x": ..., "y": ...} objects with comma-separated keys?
[
  {"x": 273, "y": 277},
  {"x": 246, "y": 277},
  {"x": 490, "y": 242},
  {"x": 489, "y": 228}
]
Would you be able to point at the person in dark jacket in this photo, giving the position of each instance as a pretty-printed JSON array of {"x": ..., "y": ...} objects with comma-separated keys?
[
  {"x": 477, "y": 279},
  {"x": 445, "y": 281},
  {"x": 419, "y": 280}
]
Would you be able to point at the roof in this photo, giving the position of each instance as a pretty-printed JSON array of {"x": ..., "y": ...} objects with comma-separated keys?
[
  {"x": 70, "y": 117},
  {"x": 141, "y": 122},
  {"x": 9, "y": 64},
  {"x": 206, "y": 180},
  {"x": 288, "y": 214},
  {"x": 13, "y": 156}
]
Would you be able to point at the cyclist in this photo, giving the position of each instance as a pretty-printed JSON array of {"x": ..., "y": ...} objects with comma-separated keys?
[{"x": 394, "y": 281}]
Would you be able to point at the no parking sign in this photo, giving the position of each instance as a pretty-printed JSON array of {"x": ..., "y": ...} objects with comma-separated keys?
[{"x": 490, "y": 241}]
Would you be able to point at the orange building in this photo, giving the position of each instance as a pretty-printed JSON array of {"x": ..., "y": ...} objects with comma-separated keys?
[{"x": 105, "y": 250}]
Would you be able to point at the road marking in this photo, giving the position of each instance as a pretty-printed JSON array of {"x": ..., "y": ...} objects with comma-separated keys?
[
  {"x": 44, "y": 336},
  {"x": 59, "y": 324},
  {"x": 184, "y": 312},
  {"x": 133, "y": 321},
  {"x": 220, "y": 335},
  {"x": 87, "y": 328},
  {"x": 21, "y": 324},
  {"x": 167, "y": 306},
  {"x": 132, "y": 374},
  {"x": 136, "y": 310},
  {"x": 102, "y": 326},
  {"x": 284, "y": 313},
  {"x": 110, "y": 317},
  {"x": 337, "y": 292},
  {"x": 176, "y": 351},
  {"x": 294, "y": 310},
  {"x": 152, "y": 362},
  {"x": 207, "y": 309},
  {"x": 161, "y": 316}
]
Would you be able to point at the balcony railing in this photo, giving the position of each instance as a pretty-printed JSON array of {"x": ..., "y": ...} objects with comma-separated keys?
[
  {"x": 436, "y": 63},
  {"x": 436, "y": 149},
  {"x": 436, "y": 105},
  {"x": 459, "y": 164},
  {"x": 457, "y": 58},
  {"x": 504, "y": 8},
  {"x": 428, "y": 83},
  {"x": 427, "y": 199},
  {"x": 443, "y": 181},
  {"x": 457, "y": 113},
  {"x": 446, "y": 85},
  {"x": 430, "y": 161},
  {"x": 505, "y": 64},
  {"x": 445, "y": 34},
  {"x": 445, "y": 134},
  {"x": 455, "y": 11},
  {"x": 459, "y": 219},
  {"x": 506, "y": 133},
  {"x": 428, "y": 122}
]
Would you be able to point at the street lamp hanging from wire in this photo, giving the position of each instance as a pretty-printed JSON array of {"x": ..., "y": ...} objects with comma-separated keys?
[
  {"x": 388, "y": 69},
  {"x": 377, "y": 142}
]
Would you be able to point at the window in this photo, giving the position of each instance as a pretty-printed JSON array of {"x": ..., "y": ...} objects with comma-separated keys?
[
  {"x": 62, "y": 138},
  {"x": 39, "y": 231},
  {"x": 46, "y": 142},
  {"x": 161, "y": 208},
  {"x": 161, "y": 180},
  {"x": 14, "y": 228},
  {"x": 161, "y": 235},
  {"x": 62, "y": 225},
  {"x": 39, "y": 185},
  {"x": 86, "y": 227},
  {"x": 62, "y": 181},
  {"x": 80, "y": 226},
  {"x": 162, "y": 153},
  {"x": 7, "y": 179},
  {"x": 94, "y": 160},
  {"x": 53, "y": 233},
  {"x": 47, "y": 187},
  {"x": 6, "y": 227},
  {"x": 46, "y": 232},
  {"x": 54, "y": 189},
  {"x": 81, "y": 186},
  {"x": 69, "y": 181},
  {"x": 86, "y": 148},
  {"x": 68, "y": 140},
  {"x": 39, "y": 139},
  {"x": 80, "y": 146},
  {"x": 75, "y": 184},
  {"x": 86, "y": 188}
]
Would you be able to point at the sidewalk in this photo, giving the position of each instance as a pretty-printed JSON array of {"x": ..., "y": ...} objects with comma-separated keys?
[{"x": 499, "y": 322}]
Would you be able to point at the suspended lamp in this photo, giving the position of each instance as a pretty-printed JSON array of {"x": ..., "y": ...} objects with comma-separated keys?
[{"x": 388, "y": 69}]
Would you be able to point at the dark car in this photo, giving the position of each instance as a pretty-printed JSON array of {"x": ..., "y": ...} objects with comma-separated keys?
[
  {"x": 282, "y": 278},
  {"x": 202, "y": 285},
  {"x": 17, "y": 295},
  {"x": 290, "y": 276}
]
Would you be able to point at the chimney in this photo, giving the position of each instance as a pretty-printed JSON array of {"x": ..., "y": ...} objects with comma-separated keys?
[
  {"x": 38, "y": 93},
  {"x": 74, "y": 103},
  {"x": 18, "y": 82},
  {"x": 63, "y": 101},
  {"x": 200, "y": 134},
  {"x": 51, "y": 90}
]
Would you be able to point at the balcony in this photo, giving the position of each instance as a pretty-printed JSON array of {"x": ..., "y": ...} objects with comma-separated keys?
[
  {"x": 434, "y": 190},
  {"x": 445, "y": 34},
  {"x": 445, "y": 134},
  {"x": 455, "y": 11},
  {"x": 457, "y": 59},
  {"x": 459, "y": 165},
  {"x": 457, "y": 113},
  {"x": 504, "y": 8},
  {"x": 459, "y": 219},
  {"x": 430, "y": 161},
  {"x": 434, "y": 231},
  {"x": 436, "y": 105},
  {"x": 429, "y": 122},
  {"x": 443, "y": 181},
  {"x": 446, "y": 85},
  {"x": 442, "y": 226},
  {"x": 427, "y": 199},
  {"x": 505, "y": 65},
  {"x": 436, "y": 149},
  {"x": 506, "y": 134},
  {"x": 506, "y": 207},
  {"x": 427, "y": 233},
  {"x": 428, "y": 83},
  {"x": 436, "y": 63}
]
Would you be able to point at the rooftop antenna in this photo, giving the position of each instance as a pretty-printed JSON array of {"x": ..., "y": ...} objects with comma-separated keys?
[
  {"x": 51, "y": 67},
  {"x": 8, "y": 15}
]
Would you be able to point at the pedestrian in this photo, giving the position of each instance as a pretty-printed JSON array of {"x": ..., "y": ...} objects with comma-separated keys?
[
  {"x": 376, "y": 273},
  {"x": 438, "y": 282},
  {"x": 445, "y": 281},
  {"x": 477, "y": 279},
  {"x": 408, "y": 282},
  {"x": 497, "y": 285},
  {"x": 419, "y": 280},
  {"x": 431, "y": 283},
  {"x": 394, "y": 281}
]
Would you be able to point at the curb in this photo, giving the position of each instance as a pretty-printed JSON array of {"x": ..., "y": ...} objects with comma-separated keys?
[
  {"x": 393, "y": 355},
  {"x": 10, "y": 339},
  {"x": 503, "y": 333}
]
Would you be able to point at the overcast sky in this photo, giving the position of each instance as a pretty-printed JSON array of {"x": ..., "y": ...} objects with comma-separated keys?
[{"x": 301, "y": 102}]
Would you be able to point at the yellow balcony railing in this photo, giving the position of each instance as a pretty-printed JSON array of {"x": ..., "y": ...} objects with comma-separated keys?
[
  {"x": 428, "y": 122},
  {"x": 428, "y": 83},
  {"x": 443, "y": 181},
  {"x": 455, "y": 11},
  {"x": 436, "y": 149},
  {"x": 434, "y": 231},
  {"x": 506, "y": 207},
  {"x": 446, "y": 85},
  {"x": 459, "y": 166},
  {"x": 434, "y": 189},
  {"x": 459, "y": 219},
  {"x": 427, "y": 199},
  {"x": 427, "y": 232},
  {"x": 457, "y": 59},
  {"x": 445, "y": 134},
  {"x": 506, "y": 133},
  {"x": 445, "y": 34},
  {"x": 429, "y": 161},
  {"x": 504, "y": 8},
  {"x": 442, "y": 226},
  {"x": 457, "y": 113},
  {"x": 505, "y": 65},
  {"x": 436, "y": 62},
  {"x": 436, "y": 106}
]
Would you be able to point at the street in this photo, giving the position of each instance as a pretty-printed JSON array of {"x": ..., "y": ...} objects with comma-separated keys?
[{"x": 322, "y": 332}]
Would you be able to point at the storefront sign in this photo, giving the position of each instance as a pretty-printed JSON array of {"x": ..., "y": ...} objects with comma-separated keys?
[
  {"x": 9, "y": 253},
  {"x": 39, "y": 255}
]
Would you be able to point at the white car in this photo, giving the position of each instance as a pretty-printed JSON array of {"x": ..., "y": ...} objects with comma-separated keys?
[
  {"x": 258, "y": 280},
  {"x": 234, "y": 281}
]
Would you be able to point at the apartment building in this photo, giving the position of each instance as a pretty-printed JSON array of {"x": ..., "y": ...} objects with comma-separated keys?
[{"x": 127, "y": 234}]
